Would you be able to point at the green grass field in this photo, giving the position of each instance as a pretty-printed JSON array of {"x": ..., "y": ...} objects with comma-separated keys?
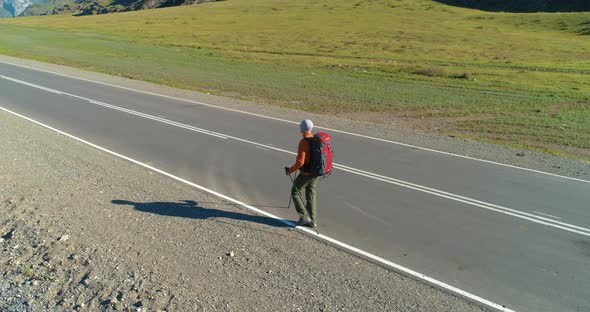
[{"x": 519, "y": 79}]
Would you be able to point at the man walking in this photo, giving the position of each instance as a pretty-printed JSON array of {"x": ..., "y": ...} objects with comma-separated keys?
[{"x": 305, "y": 180}]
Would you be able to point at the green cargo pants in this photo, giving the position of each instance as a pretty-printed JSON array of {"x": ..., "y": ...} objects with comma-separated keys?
[{"x": 309, "y": 184}]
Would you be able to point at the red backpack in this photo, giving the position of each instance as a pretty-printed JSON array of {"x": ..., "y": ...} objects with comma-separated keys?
[{"x": 320, "y": 161}]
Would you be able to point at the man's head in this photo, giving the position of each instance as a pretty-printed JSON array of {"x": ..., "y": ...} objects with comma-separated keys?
[{"x": 306, "y": 126}]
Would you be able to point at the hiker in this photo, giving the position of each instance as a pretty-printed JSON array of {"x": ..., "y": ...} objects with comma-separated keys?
[{"x": 305, "y": 180}]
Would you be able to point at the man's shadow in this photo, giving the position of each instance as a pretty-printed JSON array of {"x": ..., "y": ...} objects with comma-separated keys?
[{"x": 191, "y": 209}]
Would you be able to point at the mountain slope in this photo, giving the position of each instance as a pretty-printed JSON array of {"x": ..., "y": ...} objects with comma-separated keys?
[
  {"x": 522, "y": 6},
  {"x": 51, "y": 7},
  {"x": 12, "y": 8},
  {"x": 94, "y": 7},
  {"x": 15, "y": 7},
  {"x": 4, "y": 13}
]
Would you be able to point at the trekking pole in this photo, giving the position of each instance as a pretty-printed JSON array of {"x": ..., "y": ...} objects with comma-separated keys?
[{"x": 291, "y": 197}]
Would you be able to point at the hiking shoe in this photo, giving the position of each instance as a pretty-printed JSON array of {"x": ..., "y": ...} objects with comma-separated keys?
[
  {"x": 303, "y": 221},
  {"x": 312, "y": 225}
]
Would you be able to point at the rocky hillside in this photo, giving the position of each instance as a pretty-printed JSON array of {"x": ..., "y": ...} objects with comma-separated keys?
[
  {"x": 523, "y": 6},
  {"x": 4, "y": 13},
  {"x": 93, "y": 7},
  {"x": 12, "y": 8},
  {"x": 51, "y": 7}
]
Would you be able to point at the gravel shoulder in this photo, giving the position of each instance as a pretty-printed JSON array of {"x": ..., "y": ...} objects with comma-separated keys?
[
  {"x": 396, "y": 129},
  {"x": 83, "y": 230}
]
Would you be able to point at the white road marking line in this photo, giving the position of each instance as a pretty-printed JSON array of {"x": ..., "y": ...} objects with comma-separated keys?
[
  {"x": 546, "y": 214},
  {"x": 362, "y": 253},
  {"x": 466, "y": 200},
  {"x": 294, "y": 122},
  {"x": 177, "y": 124},
  {"x": 458, "y": 197},
  {"x": 166, "y": 121},
  {"x": 262, "y": 148},
  {"x": 31, "y": 85}
]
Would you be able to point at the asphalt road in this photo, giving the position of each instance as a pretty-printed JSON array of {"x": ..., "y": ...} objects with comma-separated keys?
[{"x": 518, "y": 238}]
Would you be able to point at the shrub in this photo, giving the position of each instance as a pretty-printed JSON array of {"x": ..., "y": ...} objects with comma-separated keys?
[
  {"x": 433, "y": 71},
  {"x": 464, "y": 75}
]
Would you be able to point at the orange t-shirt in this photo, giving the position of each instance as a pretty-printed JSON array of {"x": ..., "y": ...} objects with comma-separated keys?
[{"x": 303, "y": 155}]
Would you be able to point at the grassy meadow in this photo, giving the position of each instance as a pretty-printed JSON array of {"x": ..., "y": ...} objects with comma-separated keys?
[{"x": 518, "y": 79}]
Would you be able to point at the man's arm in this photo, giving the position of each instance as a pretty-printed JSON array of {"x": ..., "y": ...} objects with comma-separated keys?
[{"x": 300, "y": 161}]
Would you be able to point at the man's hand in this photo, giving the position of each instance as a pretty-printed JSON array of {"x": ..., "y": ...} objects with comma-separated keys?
[{"x": 287, "y": 170}]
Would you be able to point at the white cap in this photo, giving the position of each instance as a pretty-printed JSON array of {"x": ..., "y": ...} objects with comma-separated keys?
[{"x": 306, "y": 125}]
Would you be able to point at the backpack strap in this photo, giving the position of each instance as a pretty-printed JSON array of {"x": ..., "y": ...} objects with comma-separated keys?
[{"x": 306, "y": 166}]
